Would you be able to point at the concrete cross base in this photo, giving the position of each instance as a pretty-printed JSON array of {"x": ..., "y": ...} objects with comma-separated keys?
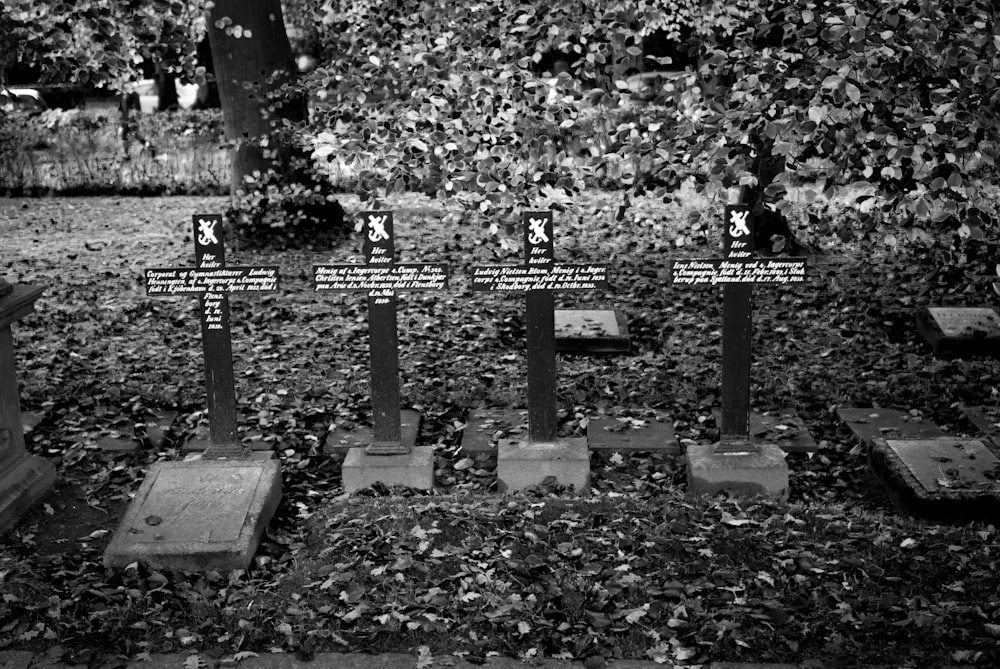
[
  {"x": 21, "y": 486},
  {"x": 522, "y": 464},
  {"x": 759, "y": 470},
  {"x": 201, "y": 515},
  {"x": 413, "y": 470}
]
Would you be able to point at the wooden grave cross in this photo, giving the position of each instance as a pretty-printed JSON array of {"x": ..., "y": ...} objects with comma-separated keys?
[
  {"x": 213, "y": 281},
  {"x": 737, "y": 271},
  {"x": 381, "y": 277},
  {"x": 540, "y": 276}
]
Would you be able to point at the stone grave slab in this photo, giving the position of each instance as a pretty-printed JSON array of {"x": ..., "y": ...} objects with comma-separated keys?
[
  {"x": 605, "y": 433},
  {"x": 485, "y": 428},
  {"x": 868, "y": 424},
  {"x": 15, "y": 659},
  {"x": 340, "y": 439},
  {"x": 198, "y": 515},
  {"x": 960, "y": 331},
  {"x": 159, "y": 428},
  {"x": 781, "y": 427},
  {"x": 986, "y": 420},
  {"x": 200, "y": 440},
  {"x": 945, "y": 478},
  {"x": 118, "y": 443},
  {"x": 591, "y": 331}
]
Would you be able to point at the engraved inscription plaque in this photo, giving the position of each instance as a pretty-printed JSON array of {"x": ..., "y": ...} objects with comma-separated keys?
[
  {"x": 966, "y": 321},
  {"x": 197, "y": 504},
  {"x": 197, "y": 515},
  {"x": 960, "y": 331}
]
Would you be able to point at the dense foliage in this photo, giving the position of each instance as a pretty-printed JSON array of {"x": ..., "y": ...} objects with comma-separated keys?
[
  {"x": 896, "y": 99},
  {"x": 502, "y": 105},
  {"x": 97, "y": 42}
]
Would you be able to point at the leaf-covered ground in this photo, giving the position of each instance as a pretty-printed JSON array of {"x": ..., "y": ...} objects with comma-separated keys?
[{"x": 635, "y": 569}]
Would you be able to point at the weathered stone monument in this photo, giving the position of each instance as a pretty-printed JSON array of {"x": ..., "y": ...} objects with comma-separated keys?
[
  {"x": 737, "y": 463},
  {"x": 24, "y": 478},
  {"x": 391, "y": 456},
  {"x": 206, "y": 514},
  {"x": 523, "y": 463}
]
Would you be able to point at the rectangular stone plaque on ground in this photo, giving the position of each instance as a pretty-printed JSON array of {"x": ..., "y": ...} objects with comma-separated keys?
[
  {"x": 485, "y": 428},
  {"x": 591, "y": 331},
  {"x": 627, "y": 434},
  {"x": 199, "y": 516},
  {"x": 783, "y": 427},
  {"x": 959, "y": 331},
  {"x": 987, "y": 420},
  {"x": 869, "y": 424},
  {"x": 946, "y": 478}
]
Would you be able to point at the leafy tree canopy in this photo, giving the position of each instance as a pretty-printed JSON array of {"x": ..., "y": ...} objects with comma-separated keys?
[
  {"x": 502, "y": 104},
  {"x": 894, "y": 99},
  {"x": 98, "y": 42}
]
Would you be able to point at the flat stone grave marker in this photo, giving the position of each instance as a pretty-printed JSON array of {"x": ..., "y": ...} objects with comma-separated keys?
[
  {"x": 24, "y": 478},
  {"x": 945, "y": 478},
  {"x": 524, "y": 463},
  {"x": 870, "y": 424},
  {"x": 587, "y": 331},
  {"x": 390, "y": 455},
  {"x": 987, "y": 420},
  {"x": 737, "y": 463},
  {"x": 629, "y": 434},
  {"x": 783, "y": 427},
  {"x": 198, "y": 515},
  {"x": 227, "y": 498},
  {"x": 485, "y": 428},
  {"x": 960, "y": 331}
]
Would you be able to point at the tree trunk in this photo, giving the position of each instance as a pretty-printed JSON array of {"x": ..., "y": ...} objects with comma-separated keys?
[
  {"x": 252, "y": 58},
  {"x": 769, "y": 220},
  {"x": 166, "y": 89}
]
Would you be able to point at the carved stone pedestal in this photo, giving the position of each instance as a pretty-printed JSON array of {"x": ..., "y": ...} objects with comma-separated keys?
[{"x": 24, "y": 479}]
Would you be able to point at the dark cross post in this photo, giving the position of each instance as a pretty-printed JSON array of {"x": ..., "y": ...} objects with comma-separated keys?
[
  {"x": 737, "y": 271},
  {"x": 213, "y": 282},
  {"x": 539, "y": 277},
  {"x": 381, "y": 277}
]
